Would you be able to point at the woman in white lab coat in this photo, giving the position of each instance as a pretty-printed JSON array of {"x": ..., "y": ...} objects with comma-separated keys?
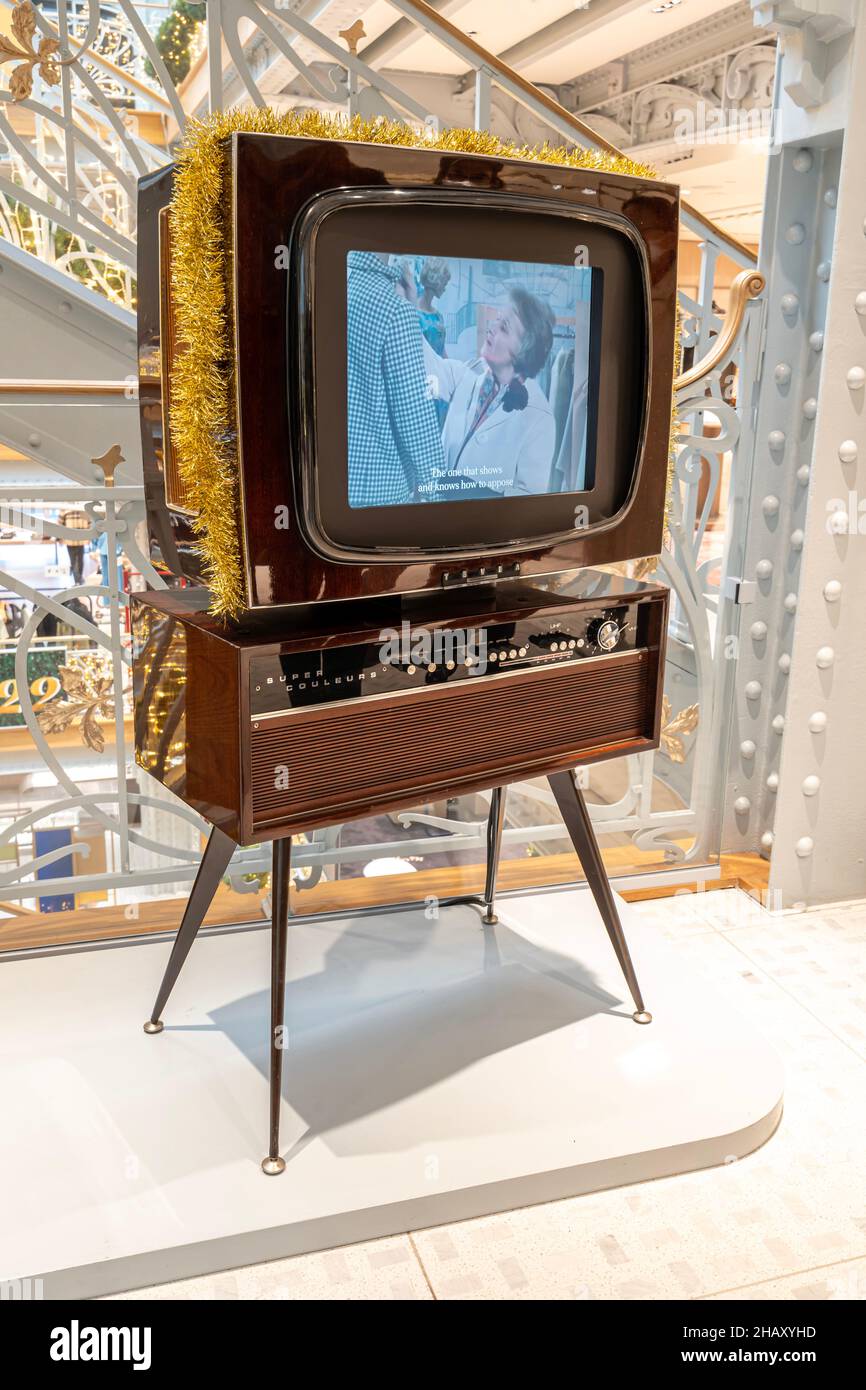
[{"x": 499, "y": 433}]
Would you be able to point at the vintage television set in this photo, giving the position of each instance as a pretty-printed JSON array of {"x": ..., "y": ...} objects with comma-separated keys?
[
  {"x": 362, "y": 468},
  {"x": 396, "y": 389}
]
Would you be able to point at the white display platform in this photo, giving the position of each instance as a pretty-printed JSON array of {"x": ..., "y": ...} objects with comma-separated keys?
[{"x": 436, "y": 1070}]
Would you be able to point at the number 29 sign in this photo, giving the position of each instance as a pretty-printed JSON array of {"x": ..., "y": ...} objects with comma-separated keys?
[{"x": 42, "y": 678}]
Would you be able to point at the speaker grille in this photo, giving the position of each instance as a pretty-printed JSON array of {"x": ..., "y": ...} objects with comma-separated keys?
[{"x": 371, "y": 750}]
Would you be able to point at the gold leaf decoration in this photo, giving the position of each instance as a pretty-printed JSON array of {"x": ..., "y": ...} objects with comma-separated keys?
[
  {"x": 24, "y": 23},
  {"x": 89, "y": 688},
  {"x": 109, "y": 462},
  {"x": 203, "y": 423},
  {"x": 353, "y": 35},
  {"x": 49, "y": 66},
  {"x": 685, "y": 722},
  {"x": 44, "y": 57},
  {"x": 21, "y": 82}
]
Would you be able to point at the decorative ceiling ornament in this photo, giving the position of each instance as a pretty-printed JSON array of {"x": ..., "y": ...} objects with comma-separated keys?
[
  {"x": 725, "y": 98},
  {"x": 44, "y": 57},
  {"x": 751, "y": 75},
  {"x": 610, "y": 129}
]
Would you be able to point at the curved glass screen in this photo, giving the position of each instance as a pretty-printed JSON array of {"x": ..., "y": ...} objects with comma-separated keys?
[{"x": 469, "y": 378}]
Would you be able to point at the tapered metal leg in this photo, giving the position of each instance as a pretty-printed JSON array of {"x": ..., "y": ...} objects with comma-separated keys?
[
  {"x": 280, "y": 881},
  {"x": 214, "y": 863},
  {"x": 495, "y": 822},
  {"x": 572, "y": 806}
]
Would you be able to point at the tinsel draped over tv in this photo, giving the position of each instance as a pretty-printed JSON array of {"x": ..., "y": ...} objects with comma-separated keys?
[{"x": 203, "y": 425}]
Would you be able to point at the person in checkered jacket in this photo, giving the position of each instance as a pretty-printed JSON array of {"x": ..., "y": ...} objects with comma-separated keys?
[{"x": 395, "y": 445}]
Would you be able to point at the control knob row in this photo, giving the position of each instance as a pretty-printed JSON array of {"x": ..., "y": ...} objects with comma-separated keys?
[
  {"x": 506, "y": 653},
  {"x": 556, "y": 642}
]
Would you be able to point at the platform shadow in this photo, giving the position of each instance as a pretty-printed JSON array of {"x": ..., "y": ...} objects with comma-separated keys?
[{"x": 364, "y": 1034}]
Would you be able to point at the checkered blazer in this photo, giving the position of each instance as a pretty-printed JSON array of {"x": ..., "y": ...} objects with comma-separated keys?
[{"x": 394, "y": 438}]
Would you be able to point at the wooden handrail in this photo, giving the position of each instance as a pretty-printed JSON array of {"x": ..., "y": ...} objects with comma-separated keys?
[
  {"x": 745, "y": 286},
  {"x": 45, "y": 387}
]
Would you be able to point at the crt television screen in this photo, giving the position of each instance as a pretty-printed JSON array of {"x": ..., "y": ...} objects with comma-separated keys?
[{"x": 469, "y": 378}]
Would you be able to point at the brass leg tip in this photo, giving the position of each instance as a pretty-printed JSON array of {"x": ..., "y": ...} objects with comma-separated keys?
[
  {"x": 273, "y": 1166},
  {"x": 490, "y": 919},
  {"x": 154, "y": 1025},
  {"x": 642, "y": 1017}
]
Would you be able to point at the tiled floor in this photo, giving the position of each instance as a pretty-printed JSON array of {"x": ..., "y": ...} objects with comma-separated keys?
[{"x": 787, "y": 1222}]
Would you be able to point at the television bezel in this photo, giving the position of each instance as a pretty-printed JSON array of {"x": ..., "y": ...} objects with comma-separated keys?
[
  {"x": 272, "y": 177},
  {"x": 500, "y": 526}
]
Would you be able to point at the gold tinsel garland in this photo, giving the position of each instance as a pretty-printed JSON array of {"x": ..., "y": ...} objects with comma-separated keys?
[{"x": 203, "y": 426}]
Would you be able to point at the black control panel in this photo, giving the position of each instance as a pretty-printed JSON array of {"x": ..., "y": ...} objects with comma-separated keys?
[{"x": 414, "y": 658}]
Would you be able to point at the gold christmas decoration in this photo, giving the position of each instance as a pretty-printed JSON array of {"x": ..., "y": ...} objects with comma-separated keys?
[
  {"x": 44, "y": 57},
  {"x": 89, "y": 686},
  {"x": 202, "y": 420},
  {"x": 685, "y": 722}
]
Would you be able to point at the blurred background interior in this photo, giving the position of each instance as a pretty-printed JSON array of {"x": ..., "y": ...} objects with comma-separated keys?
[{"x": 90, "y": 846}]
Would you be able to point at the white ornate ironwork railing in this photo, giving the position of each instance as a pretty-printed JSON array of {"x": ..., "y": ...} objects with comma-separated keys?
[
  {"x": 82, "y": 118},
  {"x": 79, "y": 128}
]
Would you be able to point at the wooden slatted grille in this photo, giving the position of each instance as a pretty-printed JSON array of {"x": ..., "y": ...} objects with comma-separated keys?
[{"x": 333, "y": 757}]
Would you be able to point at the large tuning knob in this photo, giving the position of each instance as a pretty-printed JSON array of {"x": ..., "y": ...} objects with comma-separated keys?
[{"x": 604, "y": 633}]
